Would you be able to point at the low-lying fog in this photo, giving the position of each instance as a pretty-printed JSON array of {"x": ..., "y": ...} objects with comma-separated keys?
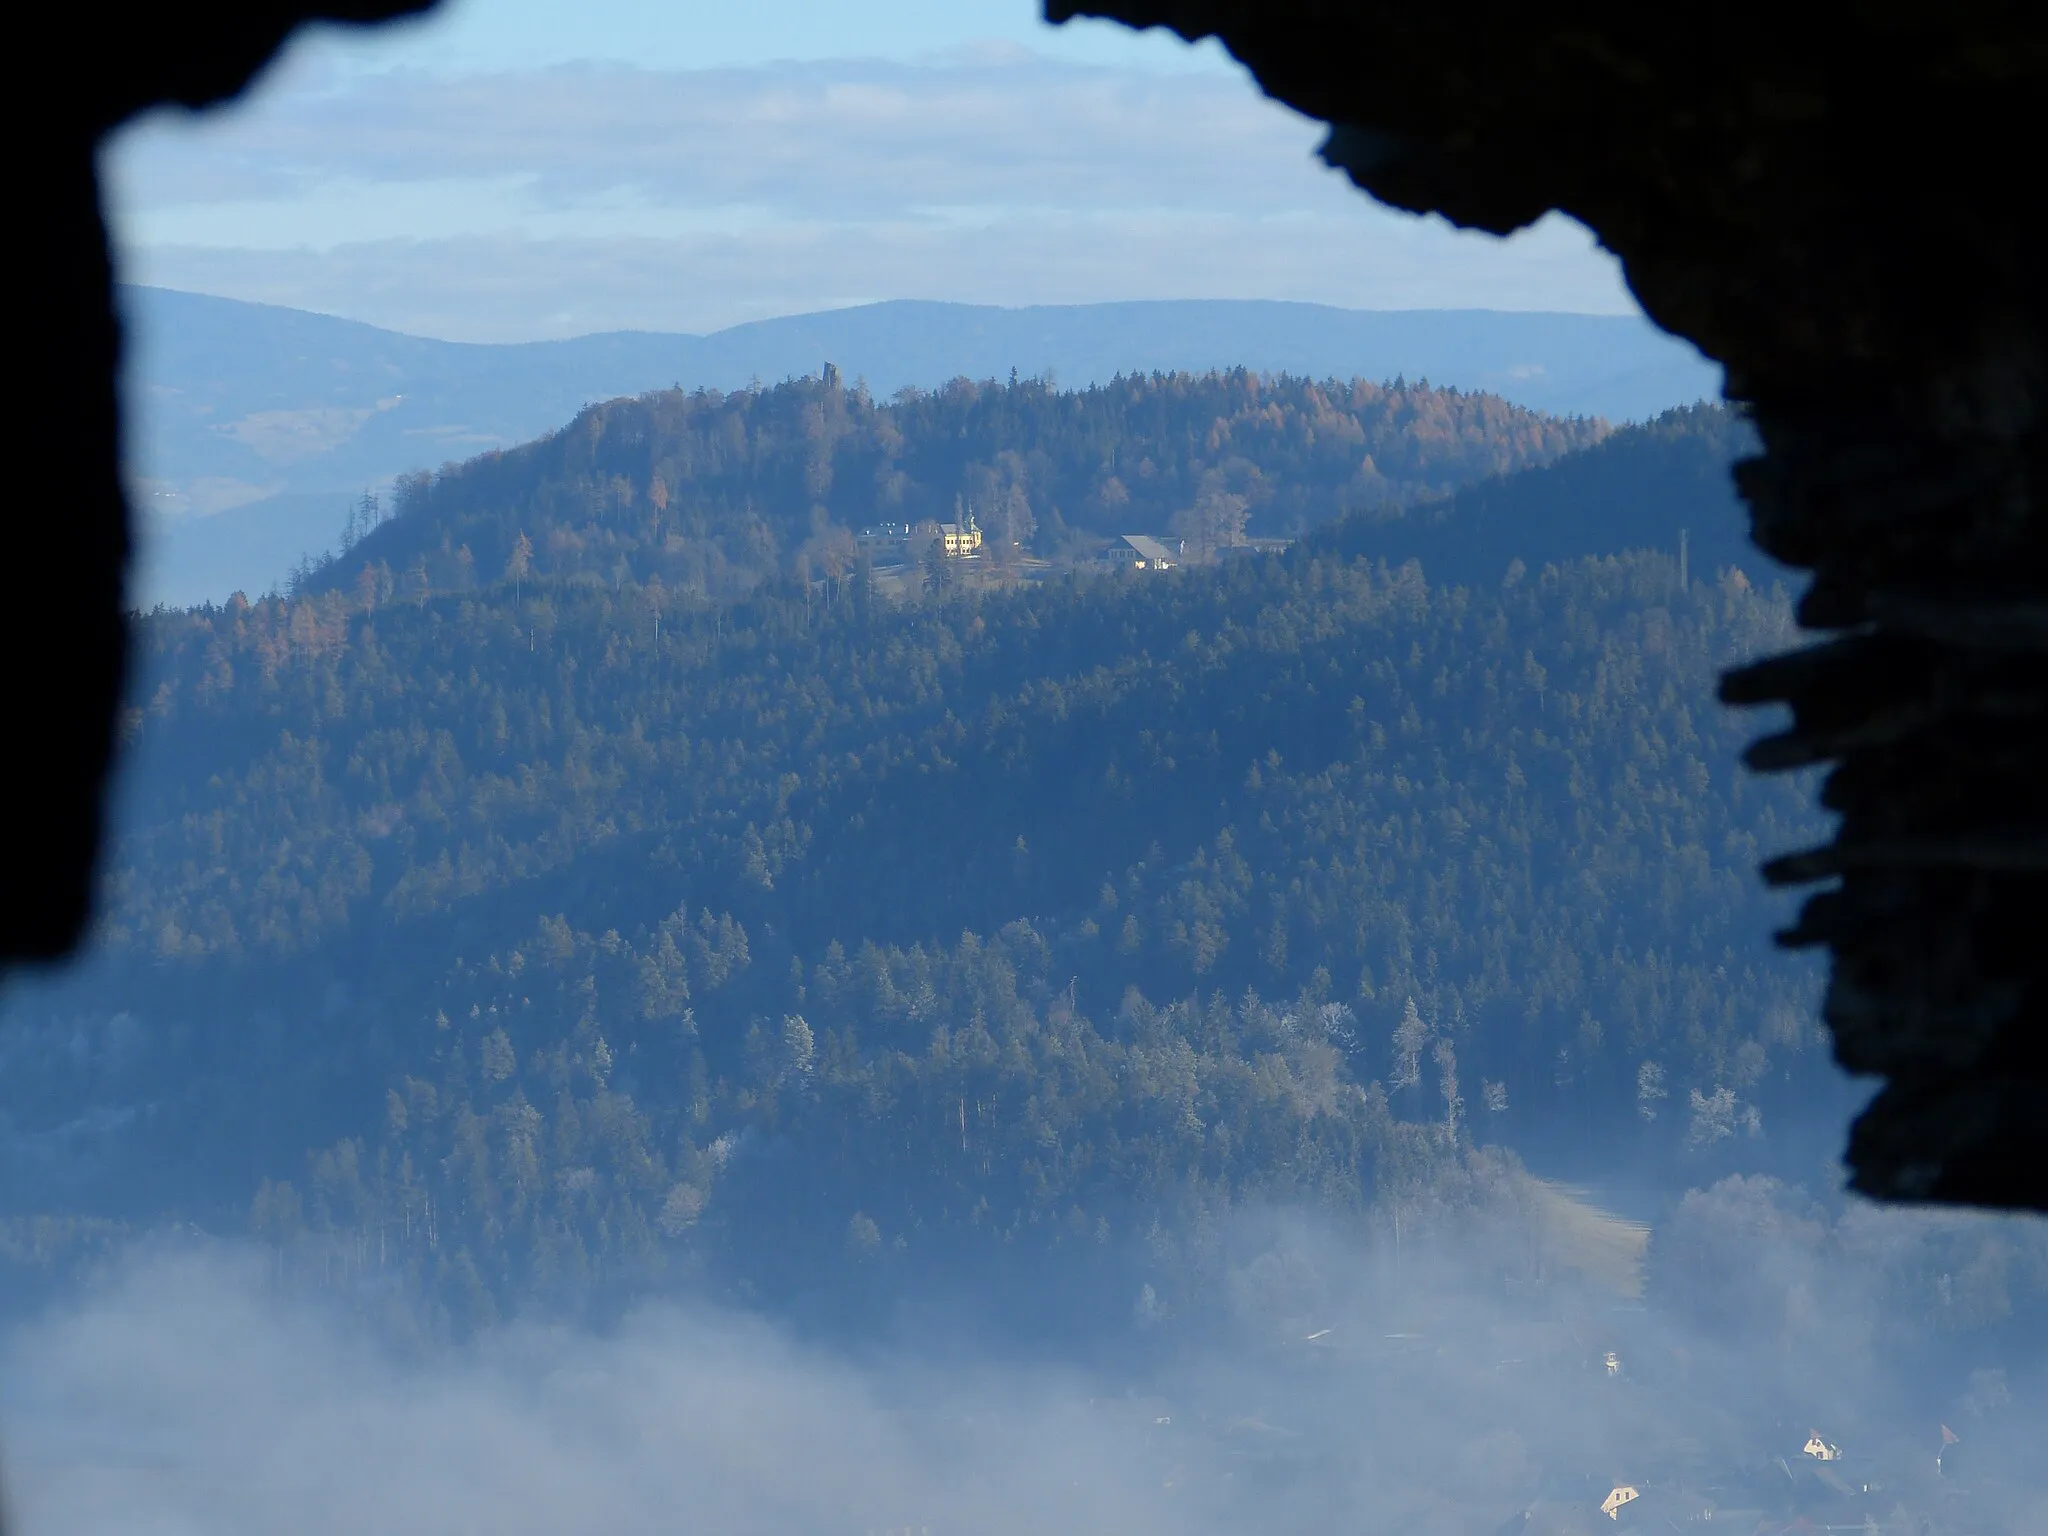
[{"x": 1468, "y": 1377}]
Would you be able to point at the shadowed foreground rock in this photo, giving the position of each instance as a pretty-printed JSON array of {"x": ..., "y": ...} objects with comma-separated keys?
[
  {"x": 61, "y": 629},
  {"x": 1845, "y": 213},
  {"x": 1843, "y": 206}
]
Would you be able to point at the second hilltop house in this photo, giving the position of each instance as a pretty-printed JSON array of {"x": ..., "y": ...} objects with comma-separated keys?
[{"x": 1140, "y": 551}]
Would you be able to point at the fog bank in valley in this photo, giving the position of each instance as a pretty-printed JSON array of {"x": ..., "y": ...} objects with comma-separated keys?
[{"x": 1471, "y": 1367}]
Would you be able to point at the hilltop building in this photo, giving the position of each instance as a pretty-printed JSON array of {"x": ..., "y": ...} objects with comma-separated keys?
[
  {"x": 1140, "y": 551},
  {"x": 892, "y": 543},
  {"x": 960, "y": 539}
]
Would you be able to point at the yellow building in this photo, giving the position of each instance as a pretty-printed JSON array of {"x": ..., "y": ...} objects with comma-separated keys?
[
  {"x": 1821, "y": 1450},
  {"x": 960, "y": 539}
]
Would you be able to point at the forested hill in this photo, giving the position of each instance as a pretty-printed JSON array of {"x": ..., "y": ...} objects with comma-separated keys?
[
  {"x": 1661, "y": 485},
  {"x": 548, "y": 930},
  {"x": 713, "y": 493}
]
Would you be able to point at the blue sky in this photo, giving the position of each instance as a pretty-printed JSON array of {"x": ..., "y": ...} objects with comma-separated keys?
[
  {"x": 665, "y": 34},
  {"x": 512, "y": 169}
]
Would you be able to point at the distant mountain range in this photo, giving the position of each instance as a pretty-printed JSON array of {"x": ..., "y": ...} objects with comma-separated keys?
[{"x": 256, "y": 425}]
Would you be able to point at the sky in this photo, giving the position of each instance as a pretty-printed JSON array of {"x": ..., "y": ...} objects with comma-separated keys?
[{"x": 518, "y": 169}]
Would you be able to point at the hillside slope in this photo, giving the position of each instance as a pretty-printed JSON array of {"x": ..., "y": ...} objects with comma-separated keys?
[
  {"x": 549, "y": 930},
  {"x": 1657, "y": 485}
]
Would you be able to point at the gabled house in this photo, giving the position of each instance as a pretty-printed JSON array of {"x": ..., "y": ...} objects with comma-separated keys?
[{"x": 1141, "y": 551}]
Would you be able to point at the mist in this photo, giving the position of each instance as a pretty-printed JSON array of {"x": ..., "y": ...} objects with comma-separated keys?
[
  {"x": 1438, "y": 1369},
  {"x": 186, "y": 1394}
]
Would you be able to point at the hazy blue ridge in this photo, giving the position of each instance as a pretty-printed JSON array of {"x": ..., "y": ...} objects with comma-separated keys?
[{"x": 280, "y": 415}]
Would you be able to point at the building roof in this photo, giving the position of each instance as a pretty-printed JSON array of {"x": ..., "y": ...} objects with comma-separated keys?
[{"x": 1153, "y": 551}]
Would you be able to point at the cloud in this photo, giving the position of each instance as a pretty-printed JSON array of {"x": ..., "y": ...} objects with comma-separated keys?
[
  {"x": 1282, "y": 1376},
  {"x": 844, "y": 137},
  {"x": 485, "y": 206},
  {"x": 187, "y": 1396}
]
